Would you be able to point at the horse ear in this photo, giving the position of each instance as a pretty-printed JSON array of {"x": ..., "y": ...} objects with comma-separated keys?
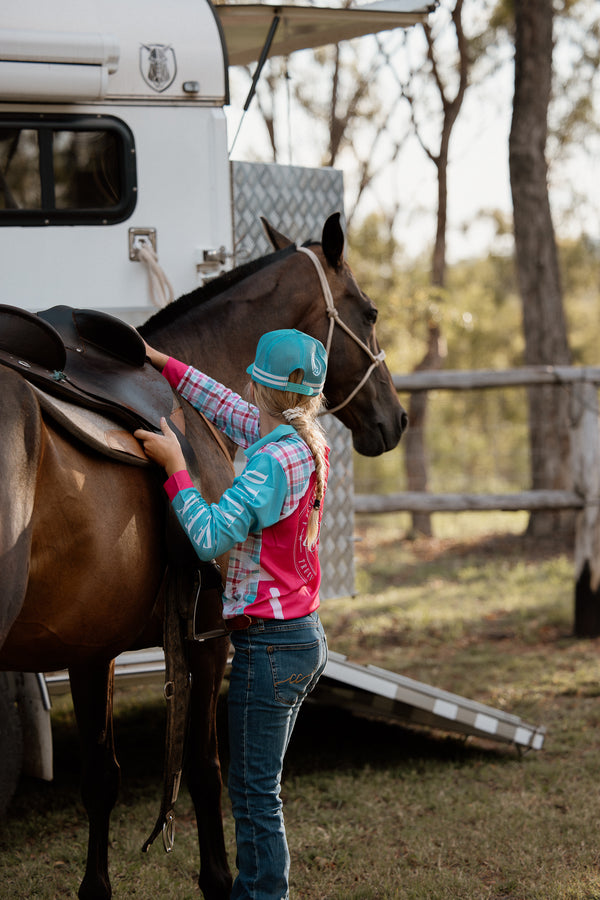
[
  {"x": 279, "y": 241},
  {"x": 332, "y": 240}
]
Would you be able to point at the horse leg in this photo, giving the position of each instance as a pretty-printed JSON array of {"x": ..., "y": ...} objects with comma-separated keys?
[
  {"x": 203, "y": 768},
  {"x": 92, "y": 691}
]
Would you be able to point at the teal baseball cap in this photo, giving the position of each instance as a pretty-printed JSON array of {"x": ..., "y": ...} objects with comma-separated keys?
[{"x": 279, "y": 353}]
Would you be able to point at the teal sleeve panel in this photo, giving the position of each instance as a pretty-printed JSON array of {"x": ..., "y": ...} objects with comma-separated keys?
[{"x": 253, "y": 502}]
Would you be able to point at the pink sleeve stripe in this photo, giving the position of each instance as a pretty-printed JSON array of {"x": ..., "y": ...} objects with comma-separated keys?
[
  {"x": 179, "y": 481},
  {"x": 174, "y": 371}
]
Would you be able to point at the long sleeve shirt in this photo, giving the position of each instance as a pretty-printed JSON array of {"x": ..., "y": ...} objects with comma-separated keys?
[{"x": 263, "y": 517}]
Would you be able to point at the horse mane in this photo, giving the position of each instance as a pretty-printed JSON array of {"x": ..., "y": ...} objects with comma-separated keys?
[{"x": 170, "y": 313}]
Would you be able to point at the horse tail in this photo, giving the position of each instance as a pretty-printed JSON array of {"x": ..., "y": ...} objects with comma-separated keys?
[{"x": 20, "y": 454}]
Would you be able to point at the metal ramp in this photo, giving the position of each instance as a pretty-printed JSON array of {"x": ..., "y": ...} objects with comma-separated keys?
[
  {"x": 369, "y": 691},
  {"x": 375, "y": 692}
]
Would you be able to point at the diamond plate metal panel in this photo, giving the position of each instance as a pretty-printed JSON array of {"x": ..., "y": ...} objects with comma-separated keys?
[
  {"x": 296, "y": 201},
  {"x": 336, "y": 550}
]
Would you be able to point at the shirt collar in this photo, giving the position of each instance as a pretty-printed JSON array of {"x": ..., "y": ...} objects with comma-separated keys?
[{"x": 276, "y": 435}]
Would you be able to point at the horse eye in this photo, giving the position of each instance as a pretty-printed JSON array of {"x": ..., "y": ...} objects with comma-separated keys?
[{"x": 371, "y": 315}]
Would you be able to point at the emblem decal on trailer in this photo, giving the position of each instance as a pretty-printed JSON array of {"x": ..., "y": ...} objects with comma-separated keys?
[{"x": 158, "y": 65}]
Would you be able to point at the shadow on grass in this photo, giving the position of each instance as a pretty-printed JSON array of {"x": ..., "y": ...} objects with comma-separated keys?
[
  {"x": 334, "y": 739},
  {"x": 325, "y": 739}
]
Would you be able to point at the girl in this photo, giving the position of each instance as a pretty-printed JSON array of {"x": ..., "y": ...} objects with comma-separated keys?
[{"x": 270, "y": 520}]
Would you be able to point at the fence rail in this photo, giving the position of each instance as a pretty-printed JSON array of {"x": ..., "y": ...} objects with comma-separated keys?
[
  {"x": 527, "y": 376},
  {"x": 413, "y": 501},
  {"x": 582, "y": 384}
]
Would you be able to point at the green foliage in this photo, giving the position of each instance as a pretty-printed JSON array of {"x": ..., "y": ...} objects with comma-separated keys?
[
  {"x": 476, "y": 440},
  {"x": 580, "y": 265},
  {"x": 478, "y": 311}
]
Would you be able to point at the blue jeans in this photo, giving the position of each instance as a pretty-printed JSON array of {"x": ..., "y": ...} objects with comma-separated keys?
[{"x": 275, "y": 666}]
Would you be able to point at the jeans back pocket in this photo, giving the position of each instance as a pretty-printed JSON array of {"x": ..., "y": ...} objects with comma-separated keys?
[{"x": 296, "y": 669}]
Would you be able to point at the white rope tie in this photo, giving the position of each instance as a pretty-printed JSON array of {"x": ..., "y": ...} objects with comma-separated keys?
[
  {"x": 294, "y": 412},
  {"x": 158, "y": 283},
  {"x": 334, "y": 316}
]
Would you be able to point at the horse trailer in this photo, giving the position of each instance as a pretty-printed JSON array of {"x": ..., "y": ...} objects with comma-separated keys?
[{"x": 117, "y": 191}]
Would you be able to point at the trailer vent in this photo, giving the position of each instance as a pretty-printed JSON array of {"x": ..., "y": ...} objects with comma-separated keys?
[{"x": 40, "y": 66}]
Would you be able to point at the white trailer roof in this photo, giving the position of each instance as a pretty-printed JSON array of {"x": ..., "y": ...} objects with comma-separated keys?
[
  {"x": 246, "y": 25},
  {"x": 141, "y": 50},
  {"x": 109, "y": 50}
]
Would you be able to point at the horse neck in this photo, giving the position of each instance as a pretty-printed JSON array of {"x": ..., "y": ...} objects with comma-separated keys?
[{"x": 220, "y": 336}]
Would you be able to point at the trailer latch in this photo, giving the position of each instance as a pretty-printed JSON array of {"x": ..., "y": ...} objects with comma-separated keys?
[{"x": 210, "y": 262}]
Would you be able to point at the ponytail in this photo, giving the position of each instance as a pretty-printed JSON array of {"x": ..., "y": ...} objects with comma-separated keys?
[
  {"x": 308, "y": 427},
  {"x": 301, "y": 411}
]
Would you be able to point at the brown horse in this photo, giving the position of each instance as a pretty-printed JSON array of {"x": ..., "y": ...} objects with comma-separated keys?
[{"x": 82, "y": 552}]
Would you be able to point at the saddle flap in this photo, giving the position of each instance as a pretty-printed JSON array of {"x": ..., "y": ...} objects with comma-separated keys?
[{"x": 31, "y": 339}]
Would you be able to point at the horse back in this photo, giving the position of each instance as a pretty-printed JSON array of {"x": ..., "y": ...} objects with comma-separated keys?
[{"x": 82, "y": 542}]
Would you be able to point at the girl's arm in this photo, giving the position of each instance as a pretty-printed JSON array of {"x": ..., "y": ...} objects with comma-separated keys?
[
  {"x": 158, "y": 359},
  {"x": 253, "y": 502},
  {"x": 227, "y": 410}
]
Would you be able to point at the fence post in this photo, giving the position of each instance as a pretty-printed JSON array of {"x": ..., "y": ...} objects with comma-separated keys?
[{"x": 585, "y": 453}]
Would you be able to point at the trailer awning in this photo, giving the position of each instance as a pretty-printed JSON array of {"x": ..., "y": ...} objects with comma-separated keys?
[{"x": 246, "y": 25}]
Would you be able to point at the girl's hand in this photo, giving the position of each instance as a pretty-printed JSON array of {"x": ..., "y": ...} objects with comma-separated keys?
[{"x": 163, "y": 449}]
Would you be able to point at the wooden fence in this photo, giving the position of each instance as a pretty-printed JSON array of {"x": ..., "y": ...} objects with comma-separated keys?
[{"x": 582, "y": 384}]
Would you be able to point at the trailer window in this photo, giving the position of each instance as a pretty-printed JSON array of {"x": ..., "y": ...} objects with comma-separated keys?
[{"x": 66, "y": 171}]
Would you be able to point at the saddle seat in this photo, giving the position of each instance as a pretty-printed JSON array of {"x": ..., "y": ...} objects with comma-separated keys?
[{"x": 89, "y": 359}]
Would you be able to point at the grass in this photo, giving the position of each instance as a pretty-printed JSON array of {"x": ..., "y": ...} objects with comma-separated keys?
[{"x": 376, "y": 811}]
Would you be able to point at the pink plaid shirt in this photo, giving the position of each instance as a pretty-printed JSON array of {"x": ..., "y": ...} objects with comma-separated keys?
[{"x": 263, "y": 517}]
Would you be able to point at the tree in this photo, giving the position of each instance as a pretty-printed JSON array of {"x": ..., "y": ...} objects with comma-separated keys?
[
  {"x": 347, "y": 115},
  {"x": 356, "y": 105},
  {"x": 450, "y": 103},
  {"x": 536, "y": 254}
]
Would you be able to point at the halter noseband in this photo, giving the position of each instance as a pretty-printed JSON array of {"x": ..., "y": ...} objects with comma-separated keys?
[{"x": 334, "y": 317}]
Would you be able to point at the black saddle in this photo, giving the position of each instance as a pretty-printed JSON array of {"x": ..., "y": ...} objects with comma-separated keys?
[{"x": 89, "y": 358}]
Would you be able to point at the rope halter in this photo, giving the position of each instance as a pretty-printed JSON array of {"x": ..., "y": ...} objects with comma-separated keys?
[{"x": 334, "y": 317}]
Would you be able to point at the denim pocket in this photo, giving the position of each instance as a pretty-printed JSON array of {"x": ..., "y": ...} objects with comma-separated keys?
[{"x": 296, "y": 669}]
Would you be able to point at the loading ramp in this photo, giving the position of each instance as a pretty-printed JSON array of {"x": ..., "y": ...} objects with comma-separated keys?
[{"x": 370, "y": 691}]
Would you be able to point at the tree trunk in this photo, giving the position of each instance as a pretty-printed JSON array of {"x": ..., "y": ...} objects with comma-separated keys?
[
  {"x": 536, "y": 255},
  {"x": 415, "y": 460},
  {"x": 414, "y": 442}
]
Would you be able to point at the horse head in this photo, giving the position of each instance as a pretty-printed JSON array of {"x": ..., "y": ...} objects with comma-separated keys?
[{"x": 358, "y": 389}]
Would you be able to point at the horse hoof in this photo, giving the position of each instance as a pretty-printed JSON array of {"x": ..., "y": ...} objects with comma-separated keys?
[
  {"x": 218, "y": 889},
  {"x": 94, "y": 889}
]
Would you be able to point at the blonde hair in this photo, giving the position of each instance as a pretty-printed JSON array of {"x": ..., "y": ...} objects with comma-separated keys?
[{"x": 301, "y": 412}]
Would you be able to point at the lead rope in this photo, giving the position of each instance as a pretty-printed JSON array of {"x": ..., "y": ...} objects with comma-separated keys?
[
  {"x": 158, "y": 283},
  {"x": 334, "y": 317}
]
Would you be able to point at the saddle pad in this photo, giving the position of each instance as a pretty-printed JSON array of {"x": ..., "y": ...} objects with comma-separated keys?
[
  {"x": 99, "y": 433},
  {"x": 93, "y": 429}
]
